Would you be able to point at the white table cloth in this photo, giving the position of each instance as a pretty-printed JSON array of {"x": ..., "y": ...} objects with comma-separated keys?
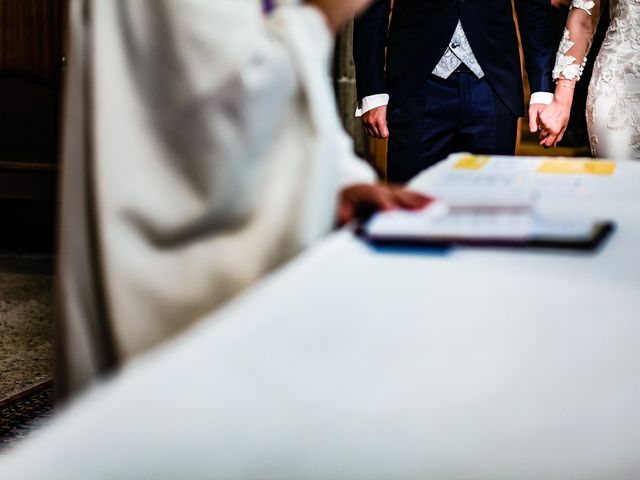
[{"x": 354, "y": 364}]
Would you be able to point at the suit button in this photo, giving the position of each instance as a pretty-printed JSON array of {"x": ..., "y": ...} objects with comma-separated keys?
[{"x": 455, "y": 45}]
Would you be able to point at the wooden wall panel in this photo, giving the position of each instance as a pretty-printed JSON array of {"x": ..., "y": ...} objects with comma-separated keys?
[
  {"x": 31, "y": 38},
  {"x": 31, "y": 34}
]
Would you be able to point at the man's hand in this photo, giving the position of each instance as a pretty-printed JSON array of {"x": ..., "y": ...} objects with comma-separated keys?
[
  {"x": 361, "y": 200},
  {"x": 338, "y": 12},
  {"x": 535, "y": 110},
  {"x": 375, "y": 122}
]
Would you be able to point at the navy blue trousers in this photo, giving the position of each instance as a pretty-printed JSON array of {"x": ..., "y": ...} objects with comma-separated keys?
[{"x": 459, "y": 114}]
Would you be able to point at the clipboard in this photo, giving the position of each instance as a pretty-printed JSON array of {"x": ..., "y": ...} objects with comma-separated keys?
[{"x": 515, "y": 226}]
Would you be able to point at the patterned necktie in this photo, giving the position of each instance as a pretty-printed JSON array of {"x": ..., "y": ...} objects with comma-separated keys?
[{"x": 267, "y": 6}]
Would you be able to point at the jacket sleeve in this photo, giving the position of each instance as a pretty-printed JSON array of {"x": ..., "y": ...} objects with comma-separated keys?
[
  {"x": 369, "y": 43},
  {"x": 535, "y": 19}
]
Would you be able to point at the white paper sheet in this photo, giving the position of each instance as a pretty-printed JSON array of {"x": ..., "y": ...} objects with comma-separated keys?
[{"x": 479, "y": 222}]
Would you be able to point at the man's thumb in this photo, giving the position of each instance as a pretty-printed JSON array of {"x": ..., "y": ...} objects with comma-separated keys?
[
  {"x": 533, "y": 121},
  {"x": 384, "y": 129}
]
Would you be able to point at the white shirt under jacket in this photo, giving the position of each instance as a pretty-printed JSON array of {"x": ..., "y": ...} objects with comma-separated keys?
[{"x": 202, "y": 149}]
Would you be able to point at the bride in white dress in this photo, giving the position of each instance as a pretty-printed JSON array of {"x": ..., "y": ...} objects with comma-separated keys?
[{"x": 613, "y": 103}]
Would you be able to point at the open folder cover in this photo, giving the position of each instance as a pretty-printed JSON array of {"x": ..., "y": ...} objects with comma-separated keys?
[{"x": 484, "y": 225}]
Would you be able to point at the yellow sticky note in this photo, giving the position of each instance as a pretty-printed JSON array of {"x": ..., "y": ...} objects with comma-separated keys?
[
  {"x": 601, "y": 168},
  {"x": 471, "y": 162},
  {"x": 577, "y": 167}
]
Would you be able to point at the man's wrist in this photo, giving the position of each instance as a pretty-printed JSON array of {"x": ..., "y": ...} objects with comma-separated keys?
[
  {"x": 541, "y": 98},
  {"x": 370, "y": 102}
]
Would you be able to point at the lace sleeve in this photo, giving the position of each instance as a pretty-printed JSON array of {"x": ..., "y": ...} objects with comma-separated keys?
[{"x": 576, "y": 40}]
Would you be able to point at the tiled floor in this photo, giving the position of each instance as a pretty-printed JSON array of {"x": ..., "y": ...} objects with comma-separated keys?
[{"x": 23, "y": 414}]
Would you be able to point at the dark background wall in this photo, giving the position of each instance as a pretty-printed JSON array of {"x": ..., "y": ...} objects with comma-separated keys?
[{"x": 31, "y": 63}]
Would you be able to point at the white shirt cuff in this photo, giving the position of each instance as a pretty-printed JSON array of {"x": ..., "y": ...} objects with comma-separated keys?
[
  {"x": 371, "y": 102},
  {"x": 544, "y": 98}
]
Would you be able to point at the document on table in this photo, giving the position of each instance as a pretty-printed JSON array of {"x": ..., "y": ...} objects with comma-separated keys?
[
  {"x": 500, "y": 200},
  {"x": 483, "y": 224},
  {"x": 465, "y": 178}
]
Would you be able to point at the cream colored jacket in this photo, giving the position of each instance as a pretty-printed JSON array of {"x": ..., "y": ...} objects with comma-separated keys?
[{"x": 201, "y": 150}]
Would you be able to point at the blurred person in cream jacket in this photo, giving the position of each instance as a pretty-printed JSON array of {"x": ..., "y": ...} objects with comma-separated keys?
[{"x": 201, "y": 150}]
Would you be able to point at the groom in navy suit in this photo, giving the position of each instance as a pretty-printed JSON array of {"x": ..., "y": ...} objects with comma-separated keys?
[{"x": 451, "y": 78}]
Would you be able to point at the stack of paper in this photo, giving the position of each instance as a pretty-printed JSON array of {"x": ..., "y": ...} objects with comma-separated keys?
[{"x": 515, "y": 223}]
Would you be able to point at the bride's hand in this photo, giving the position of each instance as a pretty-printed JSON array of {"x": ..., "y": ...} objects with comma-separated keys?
[
  {"x": 553, "y": 122},
  {"x": 554, "y": 119}
]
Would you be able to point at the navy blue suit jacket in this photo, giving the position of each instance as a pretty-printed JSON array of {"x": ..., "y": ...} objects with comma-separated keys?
[{"x": 420, "y": 31}]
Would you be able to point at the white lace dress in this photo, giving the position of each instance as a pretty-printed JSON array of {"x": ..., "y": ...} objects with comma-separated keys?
[{"x": 613, "y": 104}]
